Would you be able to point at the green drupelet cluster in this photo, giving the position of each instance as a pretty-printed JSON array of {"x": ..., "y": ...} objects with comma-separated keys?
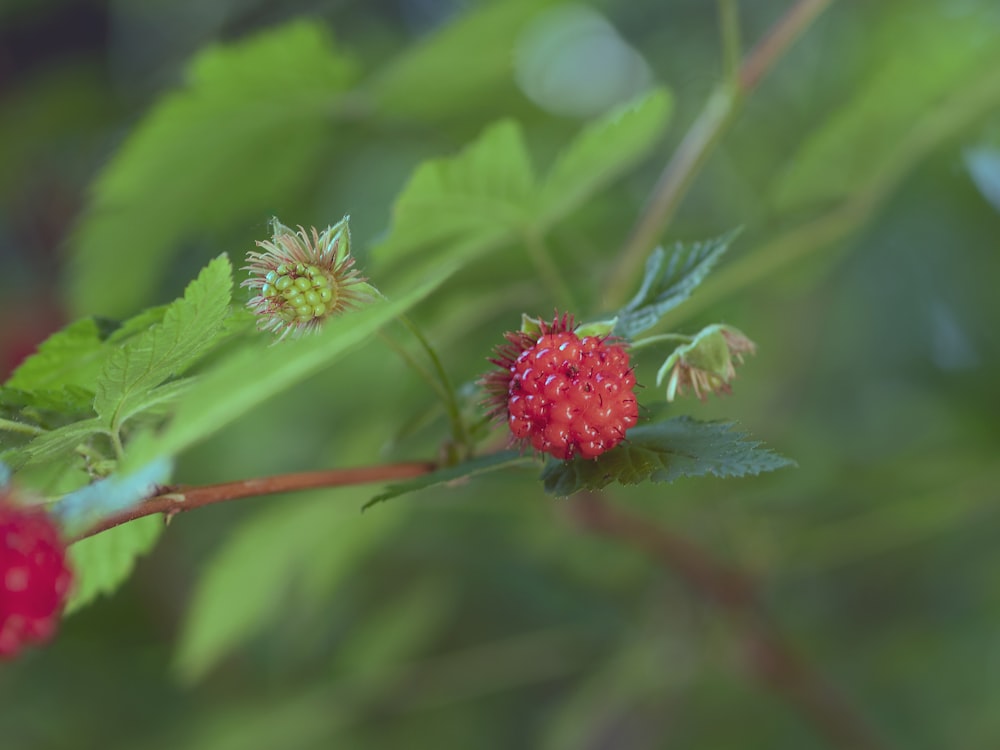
[{"x": 302, "y": 292}]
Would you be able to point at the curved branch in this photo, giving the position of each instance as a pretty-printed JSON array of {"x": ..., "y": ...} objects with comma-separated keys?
[{"x": 177, "y": 499}]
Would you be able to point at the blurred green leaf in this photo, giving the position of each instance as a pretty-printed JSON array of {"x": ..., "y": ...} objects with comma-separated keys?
[
  {"x": 602, "y": 151},
  {"x": 668, "y": 281},
  {"x": 458, "y": 68},
  {"x": 487, "y": 195},
  {"x": 663, "y": 452},
  {"x": 190, "y": 328},
  {"x": 250, "y": 579},
  {"x": 72, "y": 356},
  {"x": 482, "y": 194},
  {"x": 103, "y": 562},
  {"x": 925, "y": 57},
  {"x": 206, "y": 155}
]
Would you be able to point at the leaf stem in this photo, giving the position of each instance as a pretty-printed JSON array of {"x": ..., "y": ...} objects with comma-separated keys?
[
  {"x": 660, "y": 338},
  {"x": 414, "y": 365},
  {"x": 172, "y": 500},
  {"x": 698, "y": 143},
  {"x": 454, "y": 411},
  {"x": 116, "y": 443},
  {"x": 772, "y": 658},
  {"x": 11, "y": 425}
]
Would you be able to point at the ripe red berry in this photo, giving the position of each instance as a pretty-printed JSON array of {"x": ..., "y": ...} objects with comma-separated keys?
[
  {"x": 34, "y": 577},
  {"x": 562, "y": 394}
]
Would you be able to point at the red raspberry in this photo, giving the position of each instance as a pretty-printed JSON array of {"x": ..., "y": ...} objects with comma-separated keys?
[
  {"x": 34, "y": 577},
  {"x": 564, "y": 395}
]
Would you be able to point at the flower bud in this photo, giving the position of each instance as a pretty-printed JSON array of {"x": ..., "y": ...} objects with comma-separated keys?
[{"x": 707, "y": 364}]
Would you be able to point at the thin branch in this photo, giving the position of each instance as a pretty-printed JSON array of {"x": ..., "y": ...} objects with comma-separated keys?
[
  {"x": 701, "y": 138},
  {"x": 782, "y": 35},
  {"x": 173, "y": 500},
  {"x": 774, "y": 660},
  {"x": 452, "y": 407}
]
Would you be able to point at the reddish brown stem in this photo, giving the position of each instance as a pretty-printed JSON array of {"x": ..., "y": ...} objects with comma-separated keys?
[
  {"x": 699, "y": 142},
  {"x": 177, "y": 499},
  {"x": 775, "y": 662},
  {"x": 781, "y": 36}
]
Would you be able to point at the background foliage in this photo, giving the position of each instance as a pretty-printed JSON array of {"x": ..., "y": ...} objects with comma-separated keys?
[{"x": 141, "y": 140}]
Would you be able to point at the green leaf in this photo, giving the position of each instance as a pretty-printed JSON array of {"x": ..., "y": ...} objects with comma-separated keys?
[
  {"x": 188, "y": 330},
  {"x": 472, "y": 467},
  {"x": 487, "y": 195},
  {"x": 458, "y": 69},
  {"x": 255, "y": 374},
  {"x": 103, "y": 562},
  {"x": 56, "y": 443},
  {"x": 668, "y": 281},
  {"x": 47, "y": 408},
  {"x": 248, "y": 582},
  {"x": 72, "y": 356},
  {"x": 483, "y": 194},
  {"x": 248, "y": 127},
  {"x": 663, "y": 452},
  {"x": 602, "y": 152},
  {"x": 952, "y": 52}
]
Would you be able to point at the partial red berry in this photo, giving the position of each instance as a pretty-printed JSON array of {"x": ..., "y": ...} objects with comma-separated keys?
[
  {"x": 562, "y": 394},
  {"x": 34, "y": 577}
]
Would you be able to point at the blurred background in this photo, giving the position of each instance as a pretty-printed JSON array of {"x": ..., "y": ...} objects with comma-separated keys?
[{"x": 866, "y": 173}]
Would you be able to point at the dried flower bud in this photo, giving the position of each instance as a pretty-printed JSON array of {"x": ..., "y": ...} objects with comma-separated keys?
[{"x": 707, "y": 364}]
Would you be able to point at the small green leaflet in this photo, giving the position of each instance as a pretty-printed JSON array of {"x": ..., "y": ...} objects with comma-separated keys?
[
  {"x": 669, "y": 280},
  {"x": 663, "y": 452},
  {"x": 188, "y": 330},
  {"x": 470, "y": 468}
]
